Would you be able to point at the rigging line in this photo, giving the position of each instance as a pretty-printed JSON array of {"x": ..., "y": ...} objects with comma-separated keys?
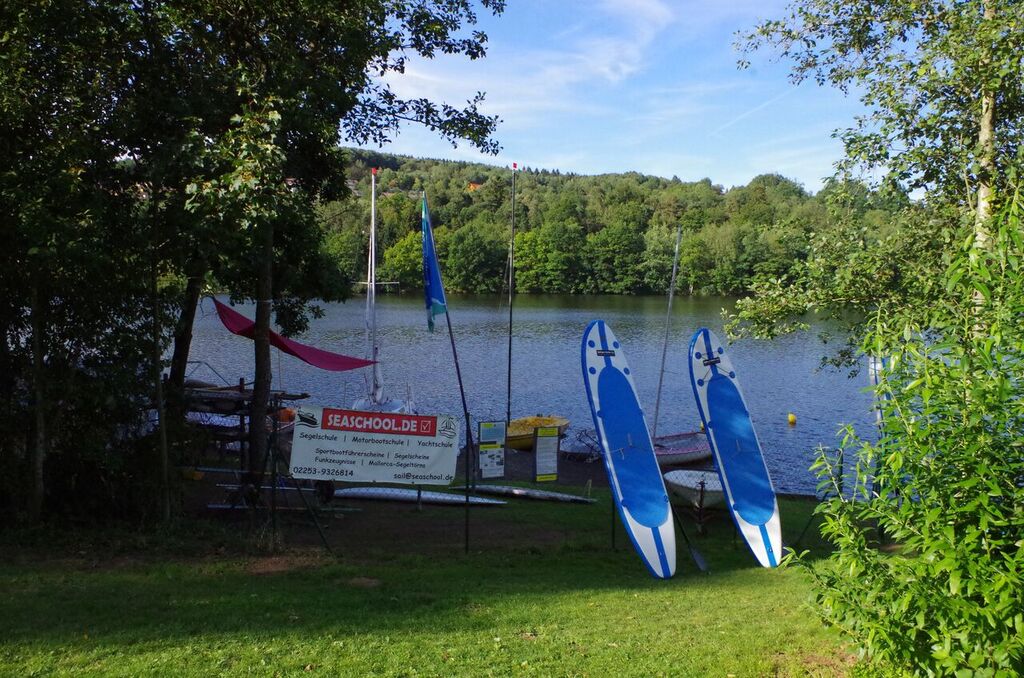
[
  {"x": 280, "y": 372},
  {"x": 668, "y": 327},
  {"x": 511, "y": 297}
]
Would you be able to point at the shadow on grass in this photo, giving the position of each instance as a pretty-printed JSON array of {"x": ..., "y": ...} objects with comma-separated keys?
[{"x": 372, "y": 590}]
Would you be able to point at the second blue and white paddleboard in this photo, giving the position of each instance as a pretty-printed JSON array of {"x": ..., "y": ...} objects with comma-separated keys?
[
  {"x": 633, "y": 473},
  {"x": 748, "y": 488}
]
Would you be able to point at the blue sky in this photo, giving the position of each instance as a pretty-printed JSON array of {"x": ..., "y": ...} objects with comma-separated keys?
[{"x": 594, "y": 86}]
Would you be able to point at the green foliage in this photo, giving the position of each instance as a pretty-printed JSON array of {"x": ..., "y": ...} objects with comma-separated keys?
[
  {"x": 403, "y": 261},
  {"x": 929, "y": 558},
  {"x": 346, "y": 226},
  {"x": 165, "y": 141},
  {"x": 945, "y": 480},
  {"x": 77, "y": 309},
  {"x": 475, "y": 258},
  {"x": 850, "y": 270},
  {"x": 615, "y": 259},
  {"x": 551, "y": 258},
  {"x": 922, "y": 69},
  {"x": 659, "y": 248},
  {"x": 613, "y": 234}
]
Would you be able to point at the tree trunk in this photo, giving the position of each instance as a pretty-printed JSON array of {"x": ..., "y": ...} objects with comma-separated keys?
[
  {"x": 183, "y": 340},
  {"x": 35, "y": 509},
  {"x": 986, "y": 156},
  {"x": 158, "y": 392},
  {"x": 261, "y": 341}
]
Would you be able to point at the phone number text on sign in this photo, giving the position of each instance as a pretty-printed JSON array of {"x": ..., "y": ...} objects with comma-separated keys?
[{"x": 337, "y": 444}]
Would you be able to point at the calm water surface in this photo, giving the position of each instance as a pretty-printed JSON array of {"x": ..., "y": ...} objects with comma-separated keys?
[{"x": 777, "y": 377}]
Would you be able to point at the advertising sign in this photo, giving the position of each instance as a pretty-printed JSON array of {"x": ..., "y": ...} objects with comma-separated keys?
[
  {"x": 545, "y": 448},
  {"x": 492, "y": 449},
  {"x": 382, "y": 447}
]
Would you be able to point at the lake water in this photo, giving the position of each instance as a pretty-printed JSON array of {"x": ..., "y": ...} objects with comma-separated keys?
[{"x": 777, "y": 377}]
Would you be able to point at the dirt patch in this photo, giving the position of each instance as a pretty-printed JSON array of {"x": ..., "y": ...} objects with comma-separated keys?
[
  {"x": 572, "y": 472},
  {"x": 363, "y": 582},
  {"x": 837, "y": 665},
  {"x": 287, "y": 562}
]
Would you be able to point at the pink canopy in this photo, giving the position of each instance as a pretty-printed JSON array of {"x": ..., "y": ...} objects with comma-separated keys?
[{"x": 325, "y": 360}]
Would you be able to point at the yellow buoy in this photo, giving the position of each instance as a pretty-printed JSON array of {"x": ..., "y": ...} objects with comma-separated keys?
[{"x": 791, "y": 418}]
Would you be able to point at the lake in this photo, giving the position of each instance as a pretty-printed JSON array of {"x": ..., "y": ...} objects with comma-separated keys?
[{"x": 777, "y": 377}]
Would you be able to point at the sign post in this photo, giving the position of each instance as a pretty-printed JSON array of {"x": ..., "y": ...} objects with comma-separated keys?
[
  {"x": 545, "y": 449},
  {"x": 492, "y": 449},
  {"x": 377, "y": 447}
]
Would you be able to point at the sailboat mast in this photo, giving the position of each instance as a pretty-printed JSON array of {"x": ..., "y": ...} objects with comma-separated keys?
[
  {"x": 511, "y": 295},
  {"x": 377, "y": 389},
  {"x": 668, "y": 321}
]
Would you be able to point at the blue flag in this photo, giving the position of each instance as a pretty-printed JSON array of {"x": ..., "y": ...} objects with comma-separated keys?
[{"x": 433, "y": 290}]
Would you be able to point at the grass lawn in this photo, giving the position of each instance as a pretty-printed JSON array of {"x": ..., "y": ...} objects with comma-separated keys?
[{"x": 570, "y": 606}]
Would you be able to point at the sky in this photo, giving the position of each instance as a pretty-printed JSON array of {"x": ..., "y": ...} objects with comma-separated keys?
[{"x": 652, "y": 86}]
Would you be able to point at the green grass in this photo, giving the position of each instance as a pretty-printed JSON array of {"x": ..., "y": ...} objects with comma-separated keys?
[{"x": 569, "y": 607}]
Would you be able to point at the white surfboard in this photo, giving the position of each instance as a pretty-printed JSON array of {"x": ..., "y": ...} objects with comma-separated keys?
[
  {"x": 407, "y": 495},
  {"x": 749, "y": 493},
  {"x": 633, "y": 472}
]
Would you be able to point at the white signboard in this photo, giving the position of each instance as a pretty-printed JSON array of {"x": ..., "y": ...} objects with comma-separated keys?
[
  {"x": 382, "y": 447},
  {"x": 492, "y": 449}
]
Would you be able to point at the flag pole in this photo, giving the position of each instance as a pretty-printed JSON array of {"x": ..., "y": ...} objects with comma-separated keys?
[
  {"x": 435, "y": 303},
  {"x": 465, "y": 413},
  {"x": 511, "y": 294}
]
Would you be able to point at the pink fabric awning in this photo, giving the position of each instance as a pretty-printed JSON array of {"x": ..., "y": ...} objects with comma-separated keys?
[{"x": 325, "y": 360}]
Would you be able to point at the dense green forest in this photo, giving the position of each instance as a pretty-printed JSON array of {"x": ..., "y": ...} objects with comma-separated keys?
[{"x": 606, "y": 234}]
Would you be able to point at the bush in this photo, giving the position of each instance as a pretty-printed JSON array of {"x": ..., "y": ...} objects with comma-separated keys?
[{"x": 927, "y": 570}]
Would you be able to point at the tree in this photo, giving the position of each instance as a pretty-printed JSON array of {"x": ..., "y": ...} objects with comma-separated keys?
[
  {"x": 530, "y": 258},
  {"x": 940, "y": 78},
  {"x": 397, "y": 215},
  {"x": 941, "y": 485},
  {"x": 187, "y": 141},
  {"x": 938, "y": 292},
  {"x": 476, "y": 258},
  {"x": 615, "y": 257},
  {"x": 659, "y": 250},
  {"x": 345, "y": 225},
  {"x": 76, "y": 265},
  {"x": 945, "y": 115},
  {"x": 312, "y": 64},
  {"x": 403, "y": 261},
  {"x": 563, "y": 248}
]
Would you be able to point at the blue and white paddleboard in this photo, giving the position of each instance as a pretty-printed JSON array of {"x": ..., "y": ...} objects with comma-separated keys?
[
  {"x": 748, "y": 488},
  {"x": 633, "y": 472}
]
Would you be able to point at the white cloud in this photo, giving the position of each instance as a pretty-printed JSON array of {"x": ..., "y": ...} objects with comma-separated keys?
[
  {"x": 645, "y": 17},
  {"x": 522, "y": 86},
  {"x": 597, "y": 86}
]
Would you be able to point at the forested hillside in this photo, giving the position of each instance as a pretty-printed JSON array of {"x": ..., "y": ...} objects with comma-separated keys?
[{"x": 611, "y": 234}]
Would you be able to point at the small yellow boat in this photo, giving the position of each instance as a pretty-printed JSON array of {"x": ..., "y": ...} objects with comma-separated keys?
[{"x": 520, "y": 431}]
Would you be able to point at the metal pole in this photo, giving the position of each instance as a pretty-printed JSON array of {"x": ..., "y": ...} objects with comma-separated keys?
[
  {"x": 376, "y": 390},
  {"x": 276, "y": 408},
  {"x": 668, "y": 321},
  {"x": 465, "y": 412},
  {"x": 511, "y": 294},
  {"x": 316, "y": 522}
]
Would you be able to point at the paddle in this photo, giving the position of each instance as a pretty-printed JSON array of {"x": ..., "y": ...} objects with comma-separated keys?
[{"x": 698, "y": 559}]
